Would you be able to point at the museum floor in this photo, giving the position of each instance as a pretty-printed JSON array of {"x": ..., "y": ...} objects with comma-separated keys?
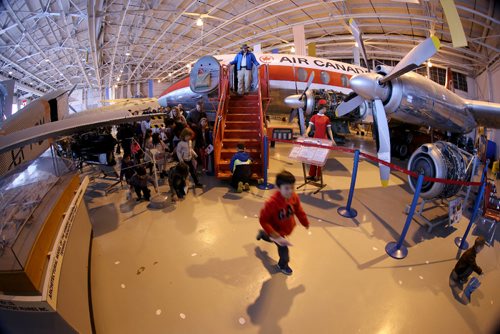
[{"x": 196, "y": 267}]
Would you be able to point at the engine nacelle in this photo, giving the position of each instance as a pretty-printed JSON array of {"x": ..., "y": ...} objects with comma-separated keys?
[{"x": 440, "y": 160}]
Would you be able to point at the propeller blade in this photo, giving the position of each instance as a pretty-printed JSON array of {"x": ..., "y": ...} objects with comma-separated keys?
[
  {"x": 293, "y": 114},
  {"x": 191, "y": 14},
  {"x": 349, "y": 104},
  {"x": 302, "y": 124},
  {"x": 414, "y": 58},
  {"x": 309, "y": 82},
  {"x": 454, "y": 24},
  {"x": 383, "y": 140},
  {"x": 359, "y": 39}
]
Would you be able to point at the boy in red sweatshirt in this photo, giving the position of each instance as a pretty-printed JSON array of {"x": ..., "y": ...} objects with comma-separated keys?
[{"x": 277, "y": 218}]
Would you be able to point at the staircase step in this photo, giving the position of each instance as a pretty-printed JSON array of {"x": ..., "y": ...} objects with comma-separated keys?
[
  {"x": 240, "y": 117},
  {"x": 227, "y": 153},
  {"x": 233, "y": 104},
  {"x": 241, "y": 134},
  {"x": 245, "y": 97},
  {"x": 242, "y": 125},
  {"x": 226, "y": 175},
  {"x": 249, "y": 143}
]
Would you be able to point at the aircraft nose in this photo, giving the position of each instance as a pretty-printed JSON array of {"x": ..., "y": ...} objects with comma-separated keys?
[
  {"x": 362, "y": 84},
  {"x": 366, "y": 85},
  {"x": 293, "y": 101}
]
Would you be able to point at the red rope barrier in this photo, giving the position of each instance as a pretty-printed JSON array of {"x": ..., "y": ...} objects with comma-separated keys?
[{"x": 375, "y": 159}]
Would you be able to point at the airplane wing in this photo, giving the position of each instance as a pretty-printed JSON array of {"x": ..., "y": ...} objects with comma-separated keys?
[
  {"x": 67, "y": 126},
  {"x": 486, "y": 114}
]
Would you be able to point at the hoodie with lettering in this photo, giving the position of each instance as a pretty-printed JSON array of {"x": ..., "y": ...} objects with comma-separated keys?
[{"x": 278, "y": 213}]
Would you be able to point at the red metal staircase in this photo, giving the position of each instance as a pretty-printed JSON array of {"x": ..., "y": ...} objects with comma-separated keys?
[{"x": 240, "y": 119}]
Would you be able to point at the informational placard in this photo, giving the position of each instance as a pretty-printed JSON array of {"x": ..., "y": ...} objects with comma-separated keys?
[
  {"x": 316, "y": 156},
  {"x": 455, "y": 210}
]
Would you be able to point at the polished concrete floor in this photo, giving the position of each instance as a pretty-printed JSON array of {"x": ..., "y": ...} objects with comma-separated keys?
[{"x": 195, "y": 267}]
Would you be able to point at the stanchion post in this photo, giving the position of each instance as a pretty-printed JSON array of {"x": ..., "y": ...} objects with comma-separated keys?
[
  {"x": 396, "y": 249},
  {"x": 461, "y": 242},
  {"x": 347, "y": 211},
  {"x": 265, "y": 185}
]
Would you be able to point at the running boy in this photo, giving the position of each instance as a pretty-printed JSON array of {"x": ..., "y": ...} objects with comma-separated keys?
[{"x": 277, "y": 218}]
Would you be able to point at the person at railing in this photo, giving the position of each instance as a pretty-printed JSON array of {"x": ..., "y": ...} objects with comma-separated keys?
[
  {"x": 240, "y": 166},
  {"x": 186, "y": 154},
  {"x": 322, "y": 128},
  {"x": 202, "y": 143},
  {"x": 177, "y": 116},
  {"x": 244, "y": 61},
  {"x": 195, "y": 115}
]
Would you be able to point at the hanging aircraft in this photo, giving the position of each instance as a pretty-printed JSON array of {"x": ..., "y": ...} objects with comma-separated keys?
[{"x": 28, "y": 133}]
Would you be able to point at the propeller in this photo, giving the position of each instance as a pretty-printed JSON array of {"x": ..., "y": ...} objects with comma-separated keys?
[
  {"x": 372, "y": 87},
  {"x": 297, "y": 104},
  {"x": 359, "y": 40}
]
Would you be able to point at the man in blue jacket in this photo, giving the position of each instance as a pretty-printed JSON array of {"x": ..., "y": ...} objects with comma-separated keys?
[
  {"x": 240, "y": 166},
  {"x": 244, "y": 61}
]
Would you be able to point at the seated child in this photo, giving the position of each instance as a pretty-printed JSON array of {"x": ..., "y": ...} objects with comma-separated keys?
[
  {"x": 467, "y": 262},
  {"x": 140, "y": 183},
  {"x": 177, "y": 176},
  {"x": 240, "y": 166}
]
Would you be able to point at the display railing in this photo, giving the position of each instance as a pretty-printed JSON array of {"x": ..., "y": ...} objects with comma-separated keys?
[{"x": 220, "y": 116}]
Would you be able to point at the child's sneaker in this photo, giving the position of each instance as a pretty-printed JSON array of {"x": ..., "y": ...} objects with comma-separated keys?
[
  {"x": 246, "y": 187},
  {"x": 240, "y": 187},
  {"x": 260, "y": 234},
  {"x": 286, "y": 270}
]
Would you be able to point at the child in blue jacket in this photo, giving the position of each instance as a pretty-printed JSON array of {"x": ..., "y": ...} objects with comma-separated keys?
[{"x": 240, "y": 166}]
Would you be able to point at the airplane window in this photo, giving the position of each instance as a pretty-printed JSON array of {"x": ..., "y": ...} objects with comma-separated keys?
[
  {"x": 325, "y": 78},
  {"x": 302, "y": 74}
]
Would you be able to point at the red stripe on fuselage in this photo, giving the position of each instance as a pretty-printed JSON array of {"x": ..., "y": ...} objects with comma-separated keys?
[
  {"x": 283, "y": 73},
  {"x": 183, "y": 83}
]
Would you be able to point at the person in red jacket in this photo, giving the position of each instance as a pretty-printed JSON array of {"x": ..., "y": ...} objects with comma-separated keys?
[
  {"x": 277, "y": 218},
  {"x": 322, "y": 129}
]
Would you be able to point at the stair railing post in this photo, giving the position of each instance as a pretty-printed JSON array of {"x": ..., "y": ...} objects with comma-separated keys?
[{"x": 265, "y": 185}]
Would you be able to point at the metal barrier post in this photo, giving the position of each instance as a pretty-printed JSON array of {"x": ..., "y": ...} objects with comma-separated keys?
[
  {"x": 265, "y": 185},
  {"x": 347, "y": 211},
  {"x": 398, "y": 250},
  {"x": 461, "y": 242}
]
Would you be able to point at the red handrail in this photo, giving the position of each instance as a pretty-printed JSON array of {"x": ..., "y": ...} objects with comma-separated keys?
[
  {"x": 220, "y": 116},
  {"x": 263, "y": 84}
]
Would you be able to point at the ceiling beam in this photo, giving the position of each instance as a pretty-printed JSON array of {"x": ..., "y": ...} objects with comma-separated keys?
[{"x": 23, "y": 29}]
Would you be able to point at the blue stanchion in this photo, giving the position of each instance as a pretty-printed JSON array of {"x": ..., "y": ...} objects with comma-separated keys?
[
  {"x": 265, "y": 185},
  {"x": 396, "y": 249},
  {"x": 347, "y": 211},
  {"x": 461, "y": 242}
]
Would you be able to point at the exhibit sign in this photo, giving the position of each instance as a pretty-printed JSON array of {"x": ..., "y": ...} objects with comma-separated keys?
[
  {"x": 56, "y": 256},
  {"x": 455, "y": 208},
  {"x": 316, "y": 156}
]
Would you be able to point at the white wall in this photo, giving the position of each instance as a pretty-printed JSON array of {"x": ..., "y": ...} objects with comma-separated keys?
[{"x": 488, "y": 89}]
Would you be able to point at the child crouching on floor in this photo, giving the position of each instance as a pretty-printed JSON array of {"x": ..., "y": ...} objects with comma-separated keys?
[
  {"x": 177, "y": 177},
  {"x": 140, "y": 182}
]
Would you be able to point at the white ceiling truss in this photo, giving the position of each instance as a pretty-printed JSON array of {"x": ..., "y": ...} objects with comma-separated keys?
[{"x": 49, "y": 44}]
